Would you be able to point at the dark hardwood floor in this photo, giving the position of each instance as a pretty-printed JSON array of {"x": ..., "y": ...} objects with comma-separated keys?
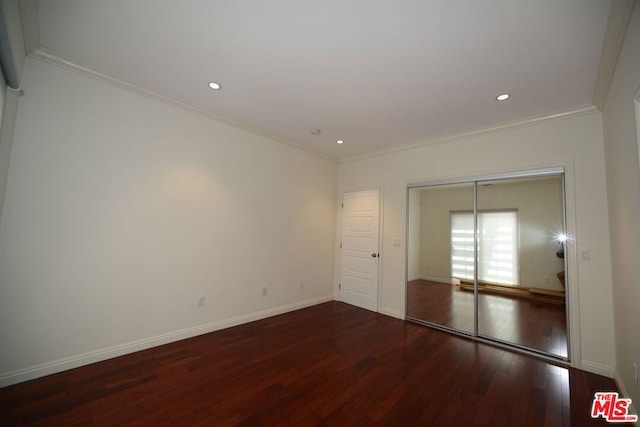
[
  {"x": 531, "y": 324},
  {"x": 331, "y": 364}
]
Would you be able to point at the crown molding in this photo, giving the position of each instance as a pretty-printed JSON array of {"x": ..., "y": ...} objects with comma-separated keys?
[
  {"x": 566, "y": 114},
  {"x": 46, "y": 55},
  {"x": 617, "y": 23}
]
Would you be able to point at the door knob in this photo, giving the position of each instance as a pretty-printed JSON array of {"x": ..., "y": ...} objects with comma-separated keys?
[{"x": 375, "y": 255}]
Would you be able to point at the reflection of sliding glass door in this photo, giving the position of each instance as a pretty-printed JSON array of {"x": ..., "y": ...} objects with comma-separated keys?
[
  {"x": 482, "y": 260},
  {"x": 497, "y": 246}
]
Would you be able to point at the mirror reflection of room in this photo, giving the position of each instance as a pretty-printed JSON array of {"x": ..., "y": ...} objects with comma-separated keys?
[
  {"x": 518, "y": 253},
  {"x": 430, "y": 294}
]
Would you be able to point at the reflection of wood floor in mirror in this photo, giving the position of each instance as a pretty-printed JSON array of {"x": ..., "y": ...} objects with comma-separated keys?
[{"x": 539, "y": 326}]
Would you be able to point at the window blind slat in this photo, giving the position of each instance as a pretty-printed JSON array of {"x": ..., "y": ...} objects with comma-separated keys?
[{"x": 497, "y": 246}]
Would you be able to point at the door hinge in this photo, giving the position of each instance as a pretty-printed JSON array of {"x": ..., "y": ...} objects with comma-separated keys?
[
  {"x": 340, "y": 245},
  {"x": 339, "y": 285},
  {"x": 342, "y": 205}
]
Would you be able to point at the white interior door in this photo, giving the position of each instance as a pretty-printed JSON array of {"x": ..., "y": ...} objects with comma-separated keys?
[{"x": 360, "y": 255}]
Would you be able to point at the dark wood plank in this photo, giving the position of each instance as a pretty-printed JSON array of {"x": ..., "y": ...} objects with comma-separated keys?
[{"x": 331, "y": 364}]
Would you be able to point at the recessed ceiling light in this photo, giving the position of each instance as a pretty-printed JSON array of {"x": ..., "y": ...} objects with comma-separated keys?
[
  {"x": 503, "y": 97},
  {"x": 339, "y": 141},
  {"x": 214, "y": 85}
]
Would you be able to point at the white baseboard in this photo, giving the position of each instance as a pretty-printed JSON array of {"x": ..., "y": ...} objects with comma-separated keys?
[
  {"x": 430, "y": 279},
  {"x": 596, "y": 368},
  {"x": 60, "y": 365},
  {"x": 392, "y": 313},
  {"x": 446, "y": 280}
]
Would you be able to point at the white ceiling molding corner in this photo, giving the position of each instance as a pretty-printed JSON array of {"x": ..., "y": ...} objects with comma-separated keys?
[
  {"x": 619, "y": 16},
  {"x": 574, "y": 112},
  {"x": 29, "y": 17}
]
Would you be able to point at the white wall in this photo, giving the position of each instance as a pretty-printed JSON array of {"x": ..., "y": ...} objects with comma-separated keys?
[
  {"x": 573, "y": 142},
  {"x": 122, "y": 210},
  {"x": 623, "y": 183}
]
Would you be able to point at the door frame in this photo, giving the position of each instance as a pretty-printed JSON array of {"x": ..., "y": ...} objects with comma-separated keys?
[{"x": 339, "y": 236}]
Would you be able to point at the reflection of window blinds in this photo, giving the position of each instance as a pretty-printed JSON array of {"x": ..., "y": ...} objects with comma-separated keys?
[
  {"x": 462, "y": 245},
  {"x": 497, "y": 248}
]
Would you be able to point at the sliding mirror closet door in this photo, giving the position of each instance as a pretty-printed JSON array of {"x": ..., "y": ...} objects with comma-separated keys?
[
  {"x": 486, "y": 258},
  {"x": 440, "y": 254},
  {"x": 520, "y": 261}
]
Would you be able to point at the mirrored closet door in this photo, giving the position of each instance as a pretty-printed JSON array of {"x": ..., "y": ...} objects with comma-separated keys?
[
  {"x": 485, "y": 258},
  {"x": 436, "y": 248}
]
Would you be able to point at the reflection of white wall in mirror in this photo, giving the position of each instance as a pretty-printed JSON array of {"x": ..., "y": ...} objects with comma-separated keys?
[
  {"x": 435, "y": 231},
  {"x": 539, "y": 205}
]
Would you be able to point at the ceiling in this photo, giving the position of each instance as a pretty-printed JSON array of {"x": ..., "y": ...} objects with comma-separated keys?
[{"x": 377, "y": 74}]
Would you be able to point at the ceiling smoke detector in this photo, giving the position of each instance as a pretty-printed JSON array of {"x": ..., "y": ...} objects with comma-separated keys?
[{"x": 315, "y": 132}]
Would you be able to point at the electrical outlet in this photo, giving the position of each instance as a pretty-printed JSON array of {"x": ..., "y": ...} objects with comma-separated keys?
[
  {"x": 635, "y": 373},
  {"x": 201, "y": 301},
  {"x": 264, "y": 291}
]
